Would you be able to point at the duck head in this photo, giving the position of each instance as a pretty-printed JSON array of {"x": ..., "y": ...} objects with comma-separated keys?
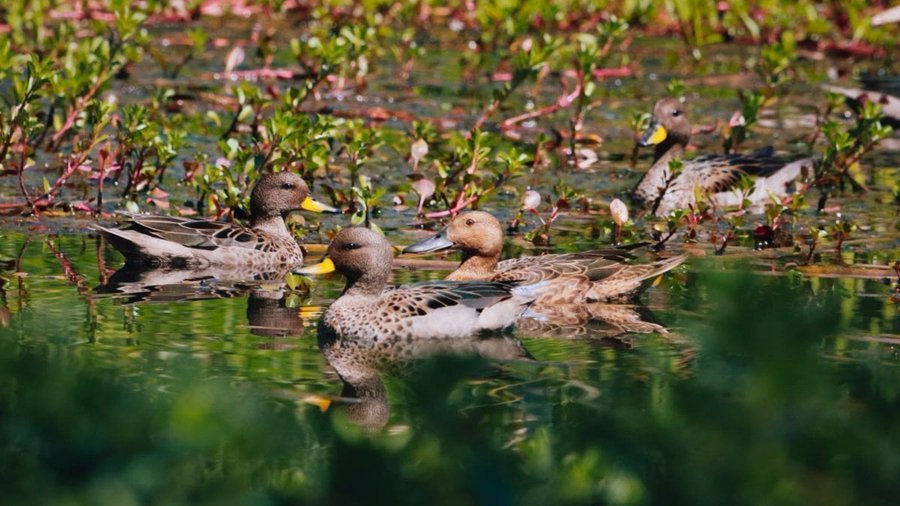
[
  {"x": 474, "y": 233},
  {"x": 278, "y": 194},
  {"x": 362, "y": 256},
  {"x": 668, "y": 127},
  {"x": 480, "y": 238}
]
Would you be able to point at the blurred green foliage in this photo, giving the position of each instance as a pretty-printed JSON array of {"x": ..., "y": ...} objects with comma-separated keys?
[{"x": 758, "y": 415}]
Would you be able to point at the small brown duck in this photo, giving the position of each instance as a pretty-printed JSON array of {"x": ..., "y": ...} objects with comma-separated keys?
[
  {"x": 568, "y": 278},
  {"x": 186, "y": 243},
  {"x": 716, "y": 176},
  {"x": 367, "y": 309}
]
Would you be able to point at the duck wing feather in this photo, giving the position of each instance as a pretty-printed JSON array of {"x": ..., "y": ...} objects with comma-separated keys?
[
  {"x": 587, "y": 265},
  {"x": 721, "y": 173},
  {"x": 419, "y": 299},
  {"x": 196, "y": 233}
]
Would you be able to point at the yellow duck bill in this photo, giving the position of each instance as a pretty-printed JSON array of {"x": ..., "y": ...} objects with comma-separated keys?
[
  {"x": 323, "y": 267},
  {"x": 654, "y": 135},
  {"x": 438, "y": 242},
  {"x": 315, "y": 206}
]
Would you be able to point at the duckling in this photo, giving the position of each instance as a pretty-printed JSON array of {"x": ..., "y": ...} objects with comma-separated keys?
[
  {"x": 186, "y": 243},
  {"x": 367, "y": 309},
  {"x": 601, "y": 275},
  {"x": 714, "y": 175}
]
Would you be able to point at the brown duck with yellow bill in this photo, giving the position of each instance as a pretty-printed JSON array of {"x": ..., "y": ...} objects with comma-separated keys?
[
  {"x": 368, "y": 309},
  {"x": 714, "y": 177},
  {"x": 185, "y": 243},
  {"x": 565, "y": 278}
]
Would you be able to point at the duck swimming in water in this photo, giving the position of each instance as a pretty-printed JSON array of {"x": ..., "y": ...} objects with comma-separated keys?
[
  {"x": 716, "y": 177},
  {"x": 187, "y": 243},
  {"x": 601, "y": 275},
  {"x": 369, "y": 309}
]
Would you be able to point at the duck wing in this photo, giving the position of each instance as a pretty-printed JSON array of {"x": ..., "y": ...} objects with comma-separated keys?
[
  {"x": 721, "y": 173},
  {"x": 195, "y": 233},
  {"x": 586, "y": 265},
  {"x": 419, "y": 299}
]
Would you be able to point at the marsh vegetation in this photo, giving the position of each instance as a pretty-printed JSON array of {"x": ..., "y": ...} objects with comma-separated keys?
[{"x": 764, "y": 370}]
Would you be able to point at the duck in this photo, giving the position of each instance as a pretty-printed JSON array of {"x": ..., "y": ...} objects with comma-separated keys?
[
  {"x": 716, "y": 176},
  {"x": 368, "y": 309},
  {"x": 187, "y": 243},
  {"x": 601, "y": 275}
]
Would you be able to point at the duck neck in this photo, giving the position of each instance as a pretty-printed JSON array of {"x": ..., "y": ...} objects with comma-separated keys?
[
  {"x": 272, "y": 225},
  {"x": 656, "y": 179},
  {"x": 475, "y": 266},
  {"x": 369, "y": 284}
]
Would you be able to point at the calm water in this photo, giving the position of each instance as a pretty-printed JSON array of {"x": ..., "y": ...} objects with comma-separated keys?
[
  {"x": 56, "y": 295},
  {"x": 263, "y": 335}
]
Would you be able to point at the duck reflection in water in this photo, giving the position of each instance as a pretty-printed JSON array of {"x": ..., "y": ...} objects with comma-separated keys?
[
  {"x": 373, "y": 329},
  {"x": 272, "y": 308},
  {"x": 360, "y": 364}
]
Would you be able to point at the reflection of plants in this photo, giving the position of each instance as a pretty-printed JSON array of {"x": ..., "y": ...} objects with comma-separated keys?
[{"x": 765, "y": 334}]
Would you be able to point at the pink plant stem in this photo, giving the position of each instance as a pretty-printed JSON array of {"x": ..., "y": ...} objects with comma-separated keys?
[
  {"x": 21, "y": 178},
  {"x": 73, "y": 114},
  {"x": 564, "y": 101},
  {"x": 421, "y": 204},
  {"x": 454, "y": 210},
  {"x": 71, "y": 167},
  {"x": 486, "y": 114}
]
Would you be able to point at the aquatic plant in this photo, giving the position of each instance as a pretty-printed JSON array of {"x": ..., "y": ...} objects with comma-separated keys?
[
  {"x": 844, "y": 150},
  {"x": 773, "y": 67}
]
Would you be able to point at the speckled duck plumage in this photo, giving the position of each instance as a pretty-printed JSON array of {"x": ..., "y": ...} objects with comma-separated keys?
[
  {"x": 187, "y": 243},
  {"x": 369, "y": 310},
  {"x": 714, "y": 176}
]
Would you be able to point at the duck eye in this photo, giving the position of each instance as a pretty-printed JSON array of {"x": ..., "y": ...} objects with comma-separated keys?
[
  {"x": 287, "y": 186},
  {"x": 351, "y": 246},
  {"x": 676, "y": 113},
  {"x": 470, "y": 222}
]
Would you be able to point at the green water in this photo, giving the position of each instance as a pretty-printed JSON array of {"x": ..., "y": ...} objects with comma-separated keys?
[
  {"x": 762, "y": 386},
  {"x": 754, "y": 383}
]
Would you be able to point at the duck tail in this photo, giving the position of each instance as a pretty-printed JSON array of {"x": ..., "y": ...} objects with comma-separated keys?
[
  {"x": 663, "y": 266},
  {"x": 628, "y": 283},
  {"x": 139, "y": 248},
  {"x": 119, "y": 240}
]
